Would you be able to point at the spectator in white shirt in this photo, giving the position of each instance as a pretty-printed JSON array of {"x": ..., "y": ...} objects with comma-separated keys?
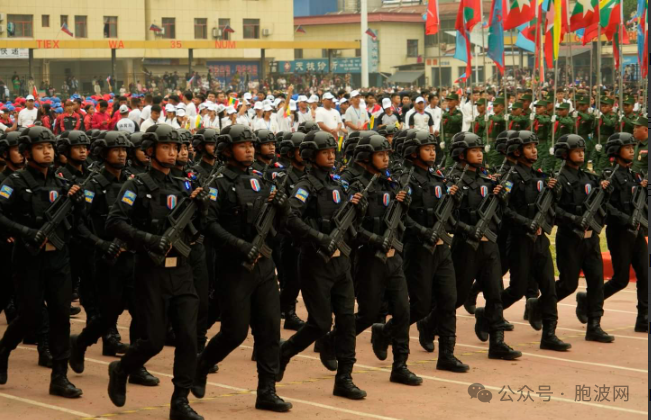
[
  {"x": 170, "y": 116},
  {"x": 469, "y": 111},
  {"x": 27, "y": 116},
  {"x": 303, "y": 111},
  {"x": 436, "y": 113},
  {"x": 125, "y": 123},
  {"x": 154, "y": 116},
  {"x": 357, "y": 118},
  {"x": 328, "y": 118},
  {"x": 420, "y": 119},
  {"x": 266, "y": 122}
]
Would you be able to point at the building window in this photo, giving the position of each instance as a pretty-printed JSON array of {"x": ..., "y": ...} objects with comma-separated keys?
[
  {"x": 412, "y": 48},
  {"x": 64, "y": 19},
  {"x": 45, "y": 21},
  {"x": 20, "y": 26},
  {"x": 200, "y": 28},
  {"x": 251, "y": 28},
  {"x": 223, "y": 23},
  {"x": 81, "y": 26},
  {"x": 110, "y": 26},
  {"x": 298, "y": 54},
  {"x": 169, "y": 25}
]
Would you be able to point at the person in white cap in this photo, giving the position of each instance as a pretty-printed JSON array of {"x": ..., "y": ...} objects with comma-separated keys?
[
  {"x": 357, "y": 118},
  {"x": 242, "y": 114},
  {"x": 125, "y": 123},
  {"x": 282, "y": 118},
  {"x": 387, "y": 116},
  {"x": 211, "y": 120},
  {"x": 266, "y": 122},
  {"x": 231, "y": 117},
  {"x": 170, "y": 116},
  {"x": 27, "y": 116},
  {"x": 421, "y": 120},
  {"x": 303, "y": 110},
  {"x": 258, "y": 108},
  {"x": 313, "y": 104},
  {"x": 327, "y": 117}
]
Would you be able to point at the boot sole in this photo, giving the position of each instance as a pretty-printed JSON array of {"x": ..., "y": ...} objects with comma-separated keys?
[
  {"x": 552, "y": 348},
  {"x": 451, "y": 369},
  {"x": 64, "y": 395},
  {"x": 348, "y": 396},
  {"x": 143, "y": 382},
  {"x": 180, "y": 417},
  {"x": 470, "y": 309},
  {"x": 415, "y": 383},
  {"x": 380, "y": 353},
  {"x": 273, "y": 408},
  {"x": 122, "y": 399},
  {"x": 597, "y": 340},
  {"x": 504, "y": 357}
]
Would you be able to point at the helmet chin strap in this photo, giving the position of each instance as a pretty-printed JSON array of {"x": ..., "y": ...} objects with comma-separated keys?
[
  {"x": 76, "y": 162},
  {"x": 164, "y": 165},
  {"x": 117, "y": 166}
]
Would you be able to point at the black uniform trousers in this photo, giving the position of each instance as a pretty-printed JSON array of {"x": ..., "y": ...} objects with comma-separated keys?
[
  {"x": 291, "y": 285},
  {"x": 82, "y": 273},
  {"x": 248, "y": 298},
  {"x": 115, "y": 286},
  {"x": 214, "y": 312},
  {"x": 6, "y": 277},
  {"x": 200, "y": 275},
  {"x": 483, "y": 265},
  {"x": 327, "y": 288},
  {"x": 165, "y": 295},
  {"x": 45, "y": 276},
  {"x": 627, "y": 251},
  {"x": 375, "y": 281},
  {"x": 431, "y": 282},
  {"x": 531, "y": 260},
  {"x": 574, "y": 254}
]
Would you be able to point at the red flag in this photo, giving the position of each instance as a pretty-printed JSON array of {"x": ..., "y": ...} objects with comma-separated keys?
[
  {"x": 433, "y": 21},
  {"x": 65, "y": 29},
  {"x": 300, "y": 29},
  {"x": 35, "y": 92},
  {"x": 519, "y": 12},
  {"x": 372, "y": 34}
]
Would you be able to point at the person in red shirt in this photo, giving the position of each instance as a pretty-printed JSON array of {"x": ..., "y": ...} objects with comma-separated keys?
[
  {"x": 67, "y": 121},
  {"x": 101, "y": 118},
  {"x": 88, "y": 118},
  {"x": 46, "y": 116}
]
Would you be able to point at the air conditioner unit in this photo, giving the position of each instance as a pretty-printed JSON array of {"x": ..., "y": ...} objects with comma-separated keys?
[
  {"x": 2, "y": 17},
  {"x": 2, "y": 28},
  {"x": 217, "y": 33},
  {"x": 266, "y": 32}
]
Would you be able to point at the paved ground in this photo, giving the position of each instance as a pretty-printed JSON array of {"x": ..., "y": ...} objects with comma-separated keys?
[{"x": 443, "y": 394}]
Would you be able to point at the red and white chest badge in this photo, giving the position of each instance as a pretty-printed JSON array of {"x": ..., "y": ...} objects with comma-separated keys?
[
  {"x": 336, "y": 196},
  {"x": 171, "y": 202},
  {"x": 386, "y": 199},
  {"x": 438, "y": 191},
  {"x": 53, "y": 196},
  {"x": 255, "y": 185},
  {"x": 483, "y": 190},
  {"x": 539, "y": 185},
  {"x": 588, "y": 189}
]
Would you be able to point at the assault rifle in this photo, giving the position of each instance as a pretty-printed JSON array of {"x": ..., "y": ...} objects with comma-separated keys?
[
  {"x": 545, "y": 204},
  {"x": 593, "y": 207},
  {"x": 393, "y": 220}
]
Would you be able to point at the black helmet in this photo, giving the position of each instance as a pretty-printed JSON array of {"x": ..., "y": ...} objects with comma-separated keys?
[
  {"x": 9, "y": 140},
  {"x": 463, "y": 141},
  {"x": 161, "y": 133},
  {"x": 617, "y": 141},
  {"x": 314, "y": 142},
  {"x": 67, "y": 139},
  {"x": 266, "y": 136},
  {"x": 291, "y": 144},
  {"x": 367, "y": 146},
  {"x": 392, "y": 130},
  {"x": 501, "y": 140},
  {"x": 566, "y": 143},
  {"x": 519, "y": 139},
  {"x": 93, "y": 134},
  {"x": 35, "y": 135},
  {"x": 308, "y": 126},
  {"x": 204, "y": 136},
  {"x": 382, "y": 131},
  {"x": 234, "y": 134},
  {"x": 277, "y": 137},
  {"x": 184, "y": 135},
  {"x": 415, "y": 141},
  {"x": 399, "y": 140},
  {"x": 353, "y": 139},
  {"x": 111, "y": 140},
  {"x": 136, "y": 140}
]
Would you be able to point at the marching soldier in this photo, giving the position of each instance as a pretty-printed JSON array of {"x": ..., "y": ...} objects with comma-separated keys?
[
  {"x": 579, "y": 253},
  {"x": 626, "y": 237},
  {"x": 641, "y": 134},
  {"x": 138, "y": 160},
  {"x": 607, "y": 123},
  {"x": 629, "y": 116},
  {"x": 496, "y": 125},
  {"x": 541, "y": 126},
  {"x": 452, "y": 120},
  {"x": 518, "y": 120},
  {"x": 563, "y": 124},
  {"x": 479, "y": 125}
]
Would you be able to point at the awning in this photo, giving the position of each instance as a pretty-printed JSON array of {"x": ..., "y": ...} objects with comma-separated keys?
[{"x": 406, "y": 76}]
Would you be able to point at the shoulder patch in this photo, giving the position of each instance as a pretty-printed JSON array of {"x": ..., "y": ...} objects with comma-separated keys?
[
  {"x": 89, "y": 196},
  {"x": 129, "y": 197},
  {"x": 6, "y": 191},
  {"x": 302, "y": 195},
  {"x": 213, "y": 194}
]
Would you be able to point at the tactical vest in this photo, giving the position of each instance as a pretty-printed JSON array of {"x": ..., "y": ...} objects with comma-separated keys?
[
  {"x": 246, "y": 194},
  {"x": 330, "y": 197},
  {"x": 104, "y": 196},
  {"x": 379, "y": 198},
  {"x": 576, "y": 191},
  {"x": 426, "y": 193},
  {"x": 156, "y": 204}
]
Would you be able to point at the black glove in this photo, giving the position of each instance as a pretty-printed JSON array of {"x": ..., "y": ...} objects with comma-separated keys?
[
  {"x": 33, "y": 235},
  {"x": 158, "y": 244},
  {"x": 580, "y": 222},
  {"x": 558, "y": 189},
  {"x": 407, "y": 200},
  {"x": 109, "y": 248},
  {"x": 327, "y": 244},
  {"x": 78, "y": 196},
  {"x": 280, "y": 201},
  {"x": 203, "y": 199},
  {"x": 382, "y": 243},
  {"x": 428, "y": 235},
  {"x": 362, "y": 206},
  {"x": 532, "y": 226},
  {"x": 458, "y": 197},
  {"x": 247, "y": 249}
]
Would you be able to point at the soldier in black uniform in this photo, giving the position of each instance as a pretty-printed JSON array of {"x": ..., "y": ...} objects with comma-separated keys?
[
  {"x": 113, "y": 265},
  {"x": 627, "y": 242},
  {"x": 265, "y": 155},
  {"x": 430, "y": 274},
  {"x": 353, "y": 169},
  {"x": 25, "y": 196},
  {"x": 246, "y": 297},
  {"x": 326, "y": 287},
  {"x": 290, "y": 151},
  {"x": 138, "y": 160},
  {"x": 574, "y": 254},
  {"x": 531, "y": 258},
  {"x": 165, "y": 289},
  {"x": 482, "y": 264}
]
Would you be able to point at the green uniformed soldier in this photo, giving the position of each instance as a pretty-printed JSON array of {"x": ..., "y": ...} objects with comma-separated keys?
[
  {"x": 479, "y": 125},
  {"x": 585, "y": 125},
  {"x": 629, "y": 116},
  {"x": 564, "y": 124},
  {"x": 607, "y": 127},
  {"x": 542, "y": 127},
  {"x": 496, "y": 124},
  {"x": 641, "y": 134},
  {"x": 452, "y": 120},
  {"x": 526, "y": 100},
  {"x": 518, "y": 120}
]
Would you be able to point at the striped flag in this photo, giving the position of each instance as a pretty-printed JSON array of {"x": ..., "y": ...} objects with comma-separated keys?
[
  {"x": 642, "y": 35},
  {"x": 228, "y": 29},
  {"x": 496, "y": 34},
  {"x": 155, "y": 28},
  {"x": 461, "y": 78},
  {"x": 372, "y": 34},
  {"x": 191, "y": 79},
  {"x": 433, "y": 22},
  {"x": 65, "y": 29}
]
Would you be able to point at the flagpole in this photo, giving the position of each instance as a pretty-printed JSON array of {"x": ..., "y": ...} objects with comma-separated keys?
[
  {"x": 598, "y": 98},
  {"x": 483, "y": 43},
  {"x": 571, "y": 61},
  {"x": 621, "y": 64},
  {"x": 440, "y": 70},
  {"x": 535, "y": 59},
  {"x": 555, "y": 89}
]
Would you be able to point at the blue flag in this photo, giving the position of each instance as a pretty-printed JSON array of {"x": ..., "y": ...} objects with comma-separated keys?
[
  {"x": 496, "y": 34},
  {"x": 461, "y": 52},
  {"x": 524, "y": 42}
]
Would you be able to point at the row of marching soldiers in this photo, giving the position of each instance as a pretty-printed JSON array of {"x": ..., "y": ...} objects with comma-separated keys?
[{"x": 168, "y": 220}]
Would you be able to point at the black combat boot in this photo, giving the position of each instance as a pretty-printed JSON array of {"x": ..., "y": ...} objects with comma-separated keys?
[
  {"x": 200, "y": 377},
  {"x": 10, "y": 312},
  {"x": 481, "y": 325},
  {"x": 117, "y": 388},
  {"x": 549, "y": 339},
  {"x": 425, "y": 336},
  {"x": 535, "y": 314},
  {"x": 498, "y": 349},
  {"x": 595, "y": 333},
  {"x": 77, "y": 354},
  {"x": 286, "y": 353},
  {"x": 446, "y": 360},
  {"x": 344, "y": 386},
  {"x": 180, "y": 406},
  {"x": 642, "y": 323},
  {"x": 143, "y": 377},
  {"x": 582, "y": 307},
  {"x": 526, "y": 313},
  {"x": 292, "y": 321},
  {"x": 327, "y": 353},
  {"x": 74, "y": 310},
  {"x": 380, "y": 341},
  {"x": 267, "y": 398},
  {"x": 4, "y": 363},
  {"x": 400, "y": 374},
  {"x": 111, "y": 346},
  {"x": 471, "y": 301},
  {"x": 44, "y": 355},
  {"x": 254, "y": 356},
  {"x": 59, "y": 383}
]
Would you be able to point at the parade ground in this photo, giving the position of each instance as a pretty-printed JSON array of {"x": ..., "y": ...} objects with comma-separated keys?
[{"x": 591, "y": 381}]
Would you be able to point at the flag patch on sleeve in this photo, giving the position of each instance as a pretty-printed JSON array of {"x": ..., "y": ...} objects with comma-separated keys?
[
  {"x": 129, "y": 197},
  {"x": 302, "y": 195}
]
